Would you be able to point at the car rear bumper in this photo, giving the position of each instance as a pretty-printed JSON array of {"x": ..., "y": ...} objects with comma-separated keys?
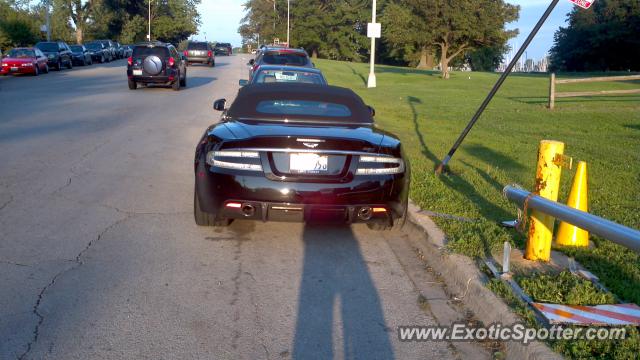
[
  {"x": 272, "y": 200},
  {"x": 199, "y": 59}
]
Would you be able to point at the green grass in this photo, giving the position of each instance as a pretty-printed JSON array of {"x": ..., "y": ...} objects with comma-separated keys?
[{"x": 428, "y": 114}]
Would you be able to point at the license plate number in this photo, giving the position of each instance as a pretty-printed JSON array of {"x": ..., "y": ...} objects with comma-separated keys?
[
  {"x": 14, "y": 69},
  {"x": 308, "y": 163},
  {"x": 137, "y": 72}
]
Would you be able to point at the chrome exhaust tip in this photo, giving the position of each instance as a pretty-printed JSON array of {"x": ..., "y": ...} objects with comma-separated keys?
[
  {"x": 365, "y": 213},
  {"x": 248, "y": 210}
]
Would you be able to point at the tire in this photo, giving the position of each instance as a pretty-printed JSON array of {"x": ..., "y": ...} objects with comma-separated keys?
[
  {"x": 390, "y": 225},
  {"x": 183, "y": 81},
  {"x": 176, "y": 84},
  {"x": 70, "y": 65},
  {"x": 132, "y": 85},
  {"x": 212, "y": 63},
  {"x": 36, "y": 70},
  {"x": 59, "y": 65},
  {"x": 205, "y": 219},
  {"x": 102, "y": 59},
  {"x": 84, "y": 62},
  {"x": 46, "y": 68}
]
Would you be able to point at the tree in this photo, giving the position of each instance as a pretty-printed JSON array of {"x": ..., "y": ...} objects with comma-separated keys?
[
  {"x": 80, "y": 13},
  {"x": 409, "y": 34},
  {"x": 17, "y": 25},
  {"x": 602, "y": 38},
  {"x": 452, "y": 26},
  {"x": 487, "y": 58}
]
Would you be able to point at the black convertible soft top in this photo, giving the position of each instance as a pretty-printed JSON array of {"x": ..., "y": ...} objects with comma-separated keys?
[{"x": 345, "y": 106}]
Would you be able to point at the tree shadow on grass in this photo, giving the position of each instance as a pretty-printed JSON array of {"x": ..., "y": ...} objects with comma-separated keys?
[
  {"x": 362, "y": 78},
  {"x": 632, "y": 126},
  {"x": 535, "y": 100},
  {"x": 407, "y": 71}
]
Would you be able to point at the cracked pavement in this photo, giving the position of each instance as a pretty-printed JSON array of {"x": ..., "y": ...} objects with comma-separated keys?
[{"x": 100, "y": 257}]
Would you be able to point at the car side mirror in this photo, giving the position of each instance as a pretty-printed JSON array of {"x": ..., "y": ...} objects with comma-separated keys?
[
  {"x": 220, "y": 104},
  {"x": 243, "y": 82},
  {"x": 251, "y": 62},
  {"x": 372, "y": 111}
]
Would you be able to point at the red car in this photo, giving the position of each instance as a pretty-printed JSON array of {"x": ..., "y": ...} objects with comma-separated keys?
[{"x": 24, "y": 61}]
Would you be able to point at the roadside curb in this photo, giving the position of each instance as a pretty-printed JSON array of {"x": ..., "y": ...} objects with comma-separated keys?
[{"x": 462, "y": 276}]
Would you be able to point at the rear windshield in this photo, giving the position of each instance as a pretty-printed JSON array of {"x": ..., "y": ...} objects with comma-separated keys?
[
  {"x": 303, "y": 107},
  {"x": 270, "y": 76},
  {"x": 197, "y": 46},
  {"x": 21, "y": 53},
  {"x": 48, "y": 47},
  {"x": 76, "y": 48},
  {"x": 284, "y": 58},
  {"x": 144, "y": 51}
]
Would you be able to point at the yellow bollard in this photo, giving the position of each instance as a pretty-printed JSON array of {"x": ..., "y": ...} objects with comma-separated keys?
[
  {"x": 547, "y": 184},
  {"x": 569, "y": 234}
]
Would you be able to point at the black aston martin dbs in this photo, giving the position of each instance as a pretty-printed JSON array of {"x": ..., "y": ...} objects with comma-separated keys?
[{"x": 299, "y": 152}]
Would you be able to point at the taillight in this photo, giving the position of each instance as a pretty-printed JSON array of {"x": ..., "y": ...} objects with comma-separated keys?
[
  {"x": 186, "y": 53},
  {"x": 237, "y": 160},
  {"x": 379, "y": 165},
  {"x": 130, "y": 61},
  {"x": 209, "y": 53},
  {"x": 172, "y": 62}
]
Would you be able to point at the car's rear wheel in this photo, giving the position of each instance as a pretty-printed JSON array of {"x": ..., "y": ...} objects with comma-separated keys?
[
  {"x": 36, "y": 70},
  {"x": 132, "y": 85},
  {"x": 212, "y": 63},
  {"x": 183, "y": 81},
  {"x": 176, "y": 83},
  {"x": 46, "y": 68},
  {"x": 205, "y": 219}
]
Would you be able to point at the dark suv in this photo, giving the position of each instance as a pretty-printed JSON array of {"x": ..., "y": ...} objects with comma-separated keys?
[
  {"x": 223, "y": 49},
  {"x": 58, "y": 54},
  {"x": 280, "y": 56},
  {"x": 200, "y": 52},
  {"x": 156, "y": 63}
]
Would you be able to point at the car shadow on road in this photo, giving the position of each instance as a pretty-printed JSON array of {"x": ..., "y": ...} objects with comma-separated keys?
[
  {"x": 336, "y": 283},
  {"x": 197, "y": 81}
]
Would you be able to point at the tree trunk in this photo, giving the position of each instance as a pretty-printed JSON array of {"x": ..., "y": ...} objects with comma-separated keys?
[
  {"x": 79, "y": 34},
  {"x": 444, "y": 61},
  {"x": 314, "y": 54},
  {"x": 426, "y": 59}
]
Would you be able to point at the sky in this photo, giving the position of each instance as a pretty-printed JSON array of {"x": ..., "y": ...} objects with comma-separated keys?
[{"x": 221, "y": 18}]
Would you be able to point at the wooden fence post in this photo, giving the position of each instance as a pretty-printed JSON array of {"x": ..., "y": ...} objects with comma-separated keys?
[{"x": 552, "y": 91}]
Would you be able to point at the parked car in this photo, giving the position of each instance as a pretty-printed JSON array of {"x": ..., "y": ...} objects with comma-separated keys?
[
  {"x": 119, "y": 50},
  {"x": 58, "y": 54},
  {"x": 200, "y": 52},
  {"x": 280, "y": 56},
  {"x": 98, "y": 51},
  {"x": 223, "y": 49},
  {"x": 278, "y": 73},
  {"x": 128, "y": 50},
  {"x": 110, "y": 49},
  {"x": 156, "y": 63},
  {"x": 24, "y": 61},
  {"x": 299, "y": 152},
  {"x": 81, "y": 55}
]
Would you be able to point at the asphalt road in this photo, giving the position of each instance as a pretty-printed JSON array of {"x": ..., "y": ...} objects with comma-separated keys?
[{"x": 100, "y": 257}]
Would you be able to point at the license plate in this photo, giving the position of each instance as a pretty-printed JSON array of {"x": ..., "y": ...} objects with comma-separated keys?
[
  {"x": 307, "y": 163},
  {"x": 137, "y": 72},
  {"x": 14, "y": 69}
]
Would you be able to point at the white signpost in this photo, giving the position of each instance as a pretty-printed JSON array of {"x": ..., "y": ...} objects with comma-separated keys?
[{"x": 373, "y": 31}]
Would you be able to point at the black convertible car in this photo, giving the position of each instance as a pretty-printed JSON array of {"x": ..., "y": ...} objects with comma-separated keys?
[{"x": 299, "y": 152}]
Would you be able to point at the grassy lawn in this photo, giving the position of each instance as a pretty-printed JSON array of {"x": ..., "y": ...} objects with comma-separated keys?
[{"x": 429, "y": 113}]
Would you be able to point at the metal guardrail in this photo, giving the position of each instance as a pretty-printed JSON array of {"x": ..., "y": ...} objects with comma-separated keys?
[{"x": 609, "y": 230}]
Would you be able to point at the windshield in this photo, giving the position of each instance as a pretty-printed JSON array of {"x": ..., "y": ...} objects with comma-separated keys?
[
  {"x": 285, "y": 58},
  {"x": 271, "y": 76},
  {"x": 21, "y": 53},
  {"x": 303, "y": 107},
  {"x": 50, "y": 47},
  {"x": 93, "y": 46},
  {"x": 76, "y": 48},
  {"x": 143, "y": 51},
  {"x": 197, "y": 46}
]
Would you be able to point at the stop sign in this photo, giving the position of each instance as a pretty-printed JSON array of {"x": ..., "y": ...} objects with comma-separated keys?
[{"x": 585, "y": 4}]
